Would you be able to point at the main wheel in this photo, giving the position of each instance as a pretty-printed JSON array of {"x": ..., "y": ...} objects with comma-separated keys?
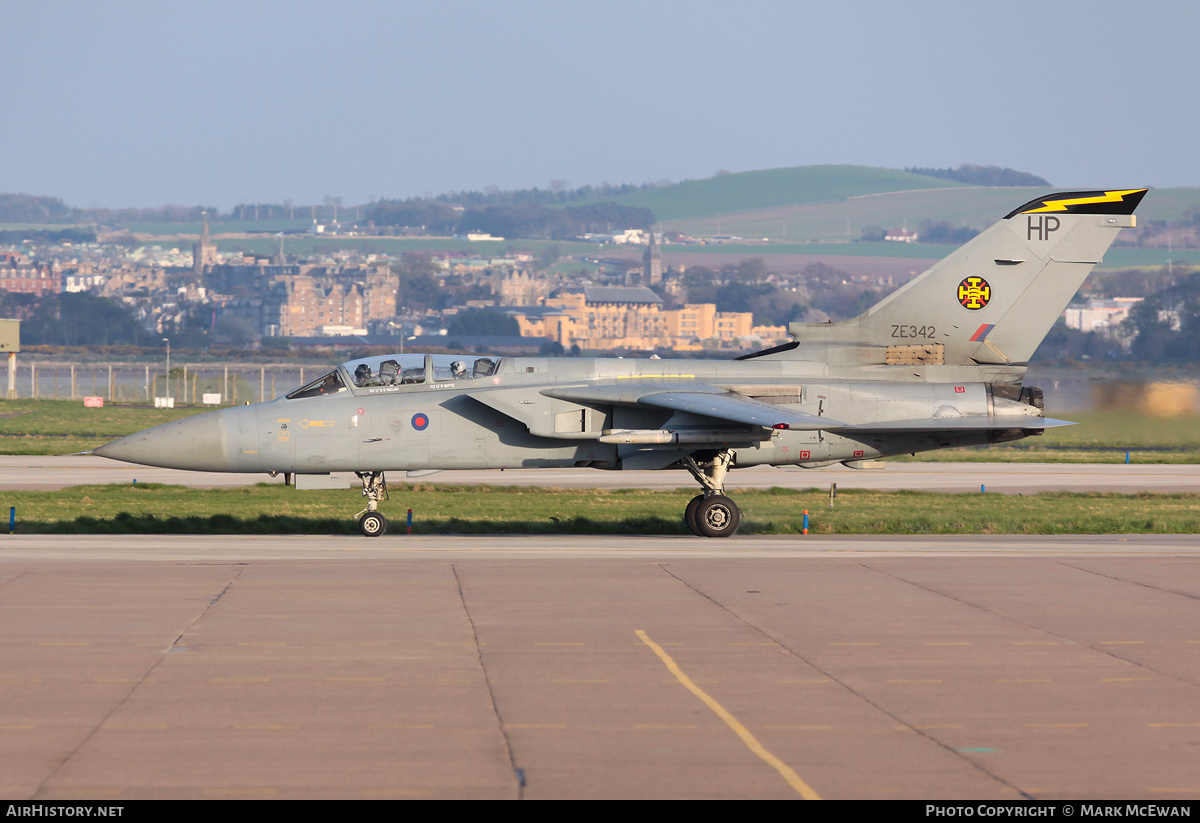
[
  {"x": 717, "y": 516},
  {"x": 372, "y": 524},
  {"x": 689, "y": 515}
]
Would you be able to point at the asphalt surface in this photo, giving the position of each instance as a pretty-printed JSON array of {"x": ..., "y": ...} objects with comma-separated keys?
[{"x": 577, "y": 667}]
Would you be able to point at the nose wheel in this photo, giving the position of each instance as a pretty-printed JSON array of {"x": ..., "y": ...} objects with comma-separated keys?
[{"x": 371, "y": 522}]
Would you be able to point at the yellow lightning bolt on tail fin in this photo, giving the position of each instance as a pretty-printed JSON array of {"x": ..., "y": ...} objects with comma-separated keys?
[{"x": 1063, "y": 205}]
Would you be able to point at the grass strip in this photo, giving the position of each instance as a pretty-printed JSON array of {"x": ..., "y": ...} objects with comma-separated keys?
[{"x": 270, "y": 508}]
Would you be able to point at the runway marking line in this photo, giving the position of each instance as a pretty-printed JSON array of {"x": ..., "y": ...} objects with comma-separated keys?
[
  {"x": 785, "y": 771},
  {"x": 1172, "y": 725}
]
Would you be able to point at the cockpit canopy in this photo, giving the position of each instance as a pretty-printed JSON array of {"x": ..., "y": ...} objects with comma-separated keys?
[{"x": 391, "y": 372}]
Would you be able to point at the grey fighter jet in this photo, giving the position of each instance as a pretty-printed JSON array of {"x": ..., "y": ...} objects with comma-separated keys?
[{"x": 938, "y": 363}]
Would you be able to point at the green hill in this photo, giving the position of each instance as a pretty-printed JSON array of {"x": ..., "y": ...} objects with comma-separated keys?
[{"x": 772, "y": 188}]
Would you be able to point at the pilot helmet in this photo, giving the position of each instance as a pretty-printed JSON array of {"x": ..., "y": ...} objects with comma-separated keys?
[
  {"x": 363, "y": 371},
  {"x": 458, "y": 367}
]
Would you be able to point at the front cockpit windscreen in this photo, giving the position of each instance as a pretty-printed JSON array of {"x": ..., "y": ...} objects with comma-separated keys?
[
  {"x": 325, "y": 384},
  {"x": 396, "y": 370}
]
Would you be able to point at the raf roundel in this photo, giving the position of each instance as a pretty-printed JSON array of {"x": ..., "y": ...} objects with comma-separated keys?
[
  {"x": 420, "y": 421},
  {"x": 974, "y": 293}
]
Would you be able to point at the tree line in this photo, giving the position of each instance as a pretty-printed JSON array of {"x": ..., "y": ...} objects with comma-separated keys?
[{"x": 974, "y": 175}]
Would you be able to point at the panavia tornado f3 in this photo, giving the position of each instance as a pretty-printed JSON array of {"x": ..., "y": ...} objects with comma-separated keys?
[{"x": 938, "y": 363}]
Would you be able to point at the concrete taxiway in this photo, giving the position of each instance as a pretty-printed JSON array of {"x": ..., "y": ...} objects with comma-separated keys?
[
  {"x": 570, "y": 667},
  {"x": 33, "y": 472}
]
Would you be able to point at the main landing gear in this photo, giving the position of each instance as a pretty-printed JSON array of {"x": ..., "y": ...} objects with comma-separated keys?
[
  {"x": 711, "y": 514},
  {"x": 371, "y": 522}
]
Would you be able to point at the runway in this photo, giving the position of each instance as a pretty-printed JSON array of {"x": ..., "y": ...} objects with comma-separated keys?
[
  {"x": 607, "y": 667},
  {"x": 45, "y": 473}
]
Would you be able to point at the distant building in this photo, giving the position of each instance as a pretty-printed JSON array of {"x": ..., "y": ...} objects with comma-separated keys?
[
  {"x": 597, "y": 318},
  {"x": 652, "y": 265},
  {"x": 1099, "y": 315},
  {"x": 204, "y": 253},
  {"x": 27, "y": 277}
]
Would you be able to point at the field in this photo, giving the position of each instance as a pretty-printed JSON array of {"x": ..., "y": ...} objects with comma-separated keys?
[
  {"x": 444, "y": 509},
  {"x": 65, "y": 426},
  {"x": 770, "y": 188}
]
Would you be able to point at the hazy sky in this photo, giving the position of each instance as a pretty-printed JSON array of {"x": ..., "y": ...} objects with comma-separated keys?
[{"x": 123, "y": 103}]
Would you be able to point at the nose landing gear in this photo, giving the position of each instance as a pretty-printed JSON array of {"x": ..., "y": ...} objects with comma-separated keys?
[{"x": 371, "y": 521}]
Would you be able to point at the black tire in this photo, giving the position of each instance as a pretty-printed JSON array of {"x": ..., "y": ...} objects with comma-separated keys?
[
  {"x": 373, "y": 524},
  {"x": 689, "y": 515},
  {"x": 717, "y": 516}
]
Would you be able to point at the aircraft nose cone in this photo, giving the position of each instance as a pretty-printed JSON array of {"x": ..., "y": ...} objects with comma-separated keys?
[{"x": 199, "y": 443}]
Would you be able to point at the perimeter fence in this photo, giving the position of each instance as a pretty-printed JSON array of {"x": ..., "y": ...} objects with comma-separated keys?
[{"x": 141, "y": 383}]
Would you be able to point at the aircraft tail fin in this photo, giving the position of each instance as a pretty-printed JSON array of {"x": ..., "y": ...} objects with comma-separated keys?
[{"x": 993, "y": 300}]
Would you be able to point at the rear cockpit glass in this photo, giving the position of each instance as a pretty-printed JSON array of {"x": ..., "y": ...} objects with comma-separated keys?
[
  {"x": 411, "y": 369},
  {"x": 326, "y": 384}
]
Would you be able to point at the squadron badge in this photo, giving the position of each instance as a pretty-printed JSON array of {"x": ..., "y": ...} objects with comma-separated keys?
[{"x": 974, "y": 293}]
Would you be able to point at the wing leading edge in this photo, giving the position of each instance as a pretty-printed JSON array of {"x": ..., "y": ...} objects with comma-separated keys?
[{"x": 708, "y": 401}]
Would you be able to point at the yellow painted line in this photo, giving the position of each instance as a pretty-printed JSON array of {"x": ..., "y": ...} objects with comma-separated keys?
[
  {"x": 123, "y": 680},
  {"x": 16, "y": 728},
  {"x": 578, "y": 681},
  {"x": 456, "y": 680},
  {"x": 945, "y": 726},
  {"x": 914, "y": 681},
  {"x": 1172, "y": 725},
  {"x": 946, "y": 643},
  {"x": 558, "y": 644},
  {"x": 816, "y": 680},
  {"x": 800, "y": 728},
  {"x": 785, "y": 771},
  {"x": 252, "y": 643},
  {"x": 1035, "y": 643},
  {"x": 853, "y": 644},
  {"x": 753, "y": 644},
  {"x": 64, "y": 643},
  {"x": 1122, "y": 642},
  {"x": 353, "y": 679},
  {"x": 1023, "y": 681},
  {"x": 1124, "y": 679},
  {"x": 239, "y": 679}
]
